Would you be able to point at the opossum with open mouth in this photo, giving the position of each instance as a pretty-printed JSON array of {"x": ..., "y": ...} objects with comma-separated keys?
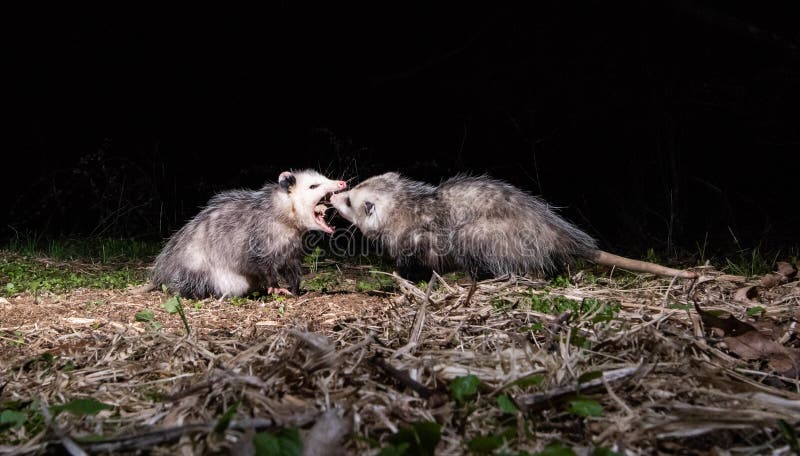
[
  {"x": 244, "y": 240},
  {"x": 480, "y": 225}
]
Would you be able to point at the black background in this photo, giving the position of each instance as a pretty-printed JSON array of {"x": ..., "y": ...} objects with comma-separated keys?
[{"x": 652, "y": 124}]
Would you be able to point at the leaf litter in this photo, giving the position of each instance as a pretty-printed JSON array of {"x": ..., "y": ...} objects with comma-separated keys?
[{"x": 630, "y": 364}]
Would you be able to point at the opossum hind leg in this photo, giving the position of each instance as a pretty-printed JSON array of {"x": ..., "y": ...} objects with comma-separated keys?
[
  {"x": 292, "y": 273},
  {"x": 229, "y": 283}
]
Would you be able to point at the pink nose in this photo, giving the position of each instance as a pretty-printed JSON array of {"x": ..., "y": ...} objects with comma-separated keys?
[{"x": 342, "y": 184}]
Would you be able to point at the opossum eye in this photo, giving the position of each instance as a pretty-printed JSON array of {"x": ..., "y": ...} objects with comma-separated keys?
[
  {"x": 348, "y": 202},
  {"x": 312, "y": 187},
  {"x": 369, "y": 208}
]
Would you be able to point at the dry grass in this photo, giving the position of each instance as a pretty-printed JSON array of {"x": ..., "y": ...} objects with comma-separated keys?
[{"x": 385, "y": 361}]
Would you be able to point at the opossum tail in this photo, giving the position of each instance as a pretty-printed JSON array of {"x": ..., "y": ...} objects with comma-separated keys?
[{"x": 609, "y": 259}]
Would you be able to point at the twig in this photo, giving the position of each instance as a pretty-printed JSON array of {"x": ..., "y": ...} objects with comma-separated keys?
[
  {"x": 532, "y": 402},
  {"x": 68, "y": 444},
  {"x": 150, "y": 439},
  {"x": 419, "y": 322},
  {"x": 402, "y": 377},
  {"x": 472, "y": 289}
]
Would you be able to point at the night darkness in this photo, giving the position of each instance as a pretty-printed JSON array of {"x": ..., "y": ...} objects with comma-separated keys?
[{"x": 663, "y": 124}]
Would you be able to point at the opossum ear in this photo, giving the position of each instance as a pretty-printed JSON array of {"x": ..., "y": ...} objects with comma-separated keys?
[
  {"x": 369, "y": 208},
  {"x": 286, "y": 181}
]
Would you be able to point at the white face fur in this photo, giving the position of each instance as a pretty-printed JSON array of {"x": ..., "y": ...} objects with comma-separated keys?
[
  {"x": 364, "y": 207},
  {"x": 307, "y": 190}
]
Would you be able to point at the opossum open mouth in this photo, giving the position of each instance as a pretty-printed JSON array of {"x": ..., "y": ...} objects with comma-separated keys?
[{"x": 319, "y": 212}]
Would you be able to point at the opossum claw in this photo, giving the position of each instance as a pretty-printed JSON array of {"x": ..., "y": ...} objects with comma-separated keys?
[{"x": 279, "y": 291}]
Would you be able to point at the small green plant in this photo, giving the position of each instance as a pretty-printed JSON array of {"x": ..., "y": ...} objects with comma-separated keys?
[
  {"x": 506, "y": 405},
  {"x": 285, "y": 442},
  {"x": 560, "y": 282},
  {"x": 16, "y": 414},
  {"x": 419, "y": 439},
  {"x": 81, "y": 407},
  {"x": 680, "y": 306},
  {"x": 531, "y": 380},
  {"x": 312, "y": 259},
  {"x": 556, "y": 305},
  {"x": 225, "y": 420},
  {"x": 753, "y": 311},
  {"x": 464, "y": 389},
  {"x": 147, "y": 316},
  {"x": 375, "y": 282},
  {"x": 322, "y": 282},
  {"x": 92, "y": 305},
  {"x": 239, "y": 301},
  {"x": 21, "y": 274},
  {"x": 11, "y": 419},
  {"x": 749, "y": 263},
  {"x": 585, "y": 407},
  {"x": 172, "y": 306},
  {"x": 651, "y": 256},
  {"x": 144, "y": 315},
  {"x": 556, "y": 449},
  {"x": 789, "y": 435},
  {"x": 16, "y": 339},
  {"x": 94, "y": 249}
]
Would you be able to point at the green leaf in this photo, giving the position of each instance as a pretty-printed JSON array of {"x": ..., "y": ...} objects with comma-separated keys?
[
  {"x": 145, "y": 315},
  {"x": 47, "y": 358},
  {"x": 225, "y": 419},
  {"x": 463, "y": 389},
  {"x": 757, "y": 310},
  {"x": 533, "y": 380},
  {"x": 81, "y": 407},
  {"x": 556, "y": 449},
  {"x": 790, "y": 435},
  {"x": 421, "y": 438},
  {"x": 285, "y": 442},
  {"x": 394, "y": 450},
  {"x": 171, "y": 305},
  {"x": 585, "y": 407},
  {"x": 603, "y": 451},
  {"x": 11, "y": 418},
  {"x": 588, "y": 376},
  {"x": 485, "y": 444},
  {"x": 90, "y": 438},
  {"x": 506, "y": 404}
]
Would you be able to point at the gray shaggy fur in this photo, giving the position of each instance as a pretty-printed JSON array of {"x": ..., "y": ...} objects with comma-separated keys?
[
  {"x": 477, "y": 224},
  {"x": 243, "y": 240},
  {"x": 481, "y": 225}
]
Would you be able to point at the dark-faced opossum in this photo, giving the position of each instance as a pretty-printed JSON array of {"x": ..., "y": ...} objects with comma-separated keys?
[
  {"x": 244, "y": 240},
  {"x": 480, "y": 225}
]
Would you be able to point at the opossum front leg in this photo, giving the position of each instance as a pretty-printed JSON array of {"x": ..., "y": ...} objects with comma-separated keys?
[
  {"x": 292, "y": 273},
  {"x": 265, "y": 278}
]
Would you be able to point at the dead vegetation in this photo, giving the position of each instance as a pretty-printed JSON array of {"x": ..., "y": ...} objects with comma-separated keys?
[{"x": 627, "y": 364}]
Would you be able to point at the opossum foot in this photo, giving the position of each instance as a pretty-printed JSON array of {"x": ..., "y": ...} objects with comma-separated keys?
[{"x": 280, "y": 291}]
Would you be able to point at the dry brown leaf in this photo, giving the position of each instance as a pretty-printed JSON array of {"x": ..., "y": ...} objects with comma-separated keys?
[
  {"x": 730, "y": 326},
  {"x": 772, "y": 280},
  {"x": 786, "y": 269},
  {"x": 746, "y": 294},
  {"x": 753, "y": 345}
]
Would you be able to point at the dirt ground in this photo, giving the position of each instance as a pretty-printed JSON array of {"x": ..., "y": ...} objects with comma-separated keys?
[{"x": 593, "y": 365}]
